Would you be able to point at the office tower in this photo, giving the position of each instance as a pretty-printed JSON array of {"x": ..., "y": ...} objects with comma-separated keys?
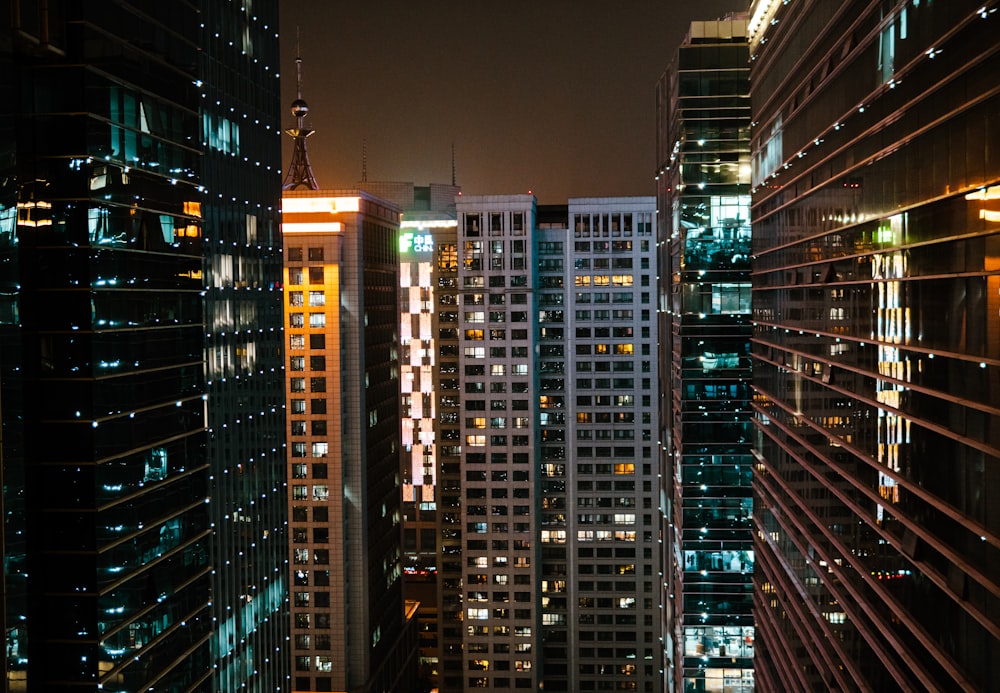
[
  {"x": 242, "y": 266},
  {"x": 703, "y": 188},
  {"x": 116, "y": 247},
  {"x": 876, "y": 225},
  {"x": 560, "y": 545},
  {"x": 351, "y": 630},
  {"x": 430, "y": 401},
  {"x": 431, "y": 550}
]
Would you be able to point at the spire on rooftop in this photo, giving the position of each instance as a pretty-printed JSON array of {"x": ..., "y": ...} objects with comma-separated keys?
[{"x": 300, "y": 172}]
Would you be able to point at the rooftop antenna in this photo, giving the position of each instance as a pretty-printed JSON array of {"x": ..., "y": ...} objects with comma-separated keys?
[
  {"x": 300, "y": 173},
  {"x": 364, "y": 160},
  {"x": 453, "y": 163}
]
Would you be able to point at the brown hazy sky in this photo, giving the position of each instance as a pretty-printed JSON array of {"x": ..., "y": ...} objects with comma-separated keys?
[{"x": 553, "y": 96}]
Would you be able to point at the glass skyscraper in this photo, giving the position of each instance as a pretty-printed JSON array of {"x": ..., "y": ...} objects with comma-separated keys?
[
  {"x": 703, "y": 188},
  {"x": 244, "y": 359},
  {"x": 143, "y": 546},
  {"x": 876, "y": 217}
]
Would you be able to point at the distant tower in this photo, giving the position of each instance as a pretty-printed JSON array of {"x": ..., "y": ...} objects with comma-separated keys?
[{"x": 300, "y": 172}]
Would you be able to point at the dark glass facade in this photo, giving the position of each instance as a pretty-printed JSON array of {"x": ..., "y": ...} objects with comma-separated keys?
[
  {"x": 111, "y": 569},
  {"x": 242, "y": 265},
  {"x": 877, "y": 345},
  {"x": 703, "y": 188}
]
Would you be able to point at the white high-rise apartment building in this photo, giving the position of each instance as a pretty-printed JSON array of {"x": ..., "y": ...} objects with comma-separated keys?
[{"x": 560, "y": 504}]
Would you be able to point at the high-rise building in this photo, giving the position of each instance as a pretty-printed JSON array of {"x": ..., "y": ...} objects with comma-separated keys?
[
  {"x": 876, "y": 223},
  {"x": 501, "y": 646},
  {"x": 599, "y": 486},
  {"x": 559, "y": 481},
  {"x": 141, "y": 308},
  {"x": 244, "y": 356},
  {"x": 428, "y": 311},
  {"x": 703, "y": 189},
  {"x": 351, "y": 628}
]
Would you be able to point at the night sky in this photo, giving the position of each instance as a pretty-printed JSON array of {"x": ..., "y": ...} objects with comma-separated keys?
[{"x": 552, "y": 96}]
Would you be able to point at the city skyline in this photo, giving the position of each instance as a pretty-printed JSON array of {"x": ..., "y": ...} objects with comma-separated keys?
[
  {"x": 428, "y": 424},
  {"x": 561, "y": 105}
]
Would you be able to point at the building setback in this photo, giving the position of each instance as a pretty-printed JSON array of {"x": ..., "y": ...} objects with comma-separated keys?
[
  {"x": 351, "y": 630},
  {"x": 703, "y": 189},
  {"x": 876, "y": 344},
  {"x": 126, "y": 204}
]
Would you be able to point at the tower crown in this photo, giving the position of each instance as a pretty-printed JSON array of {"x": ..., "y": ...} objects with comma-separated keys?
[{"x": 300, "y": 172}]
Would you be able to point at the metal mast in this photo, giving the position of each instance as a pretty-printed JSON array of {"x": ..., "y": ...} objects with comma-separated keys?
[{"x": 300, "y": 172}]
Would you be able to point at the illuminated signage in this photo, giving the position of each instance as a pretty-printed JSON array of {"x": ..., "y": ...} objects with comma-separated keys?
[
  {"x": 317, "y": 205},
  {"x": 416, "y": 243}
]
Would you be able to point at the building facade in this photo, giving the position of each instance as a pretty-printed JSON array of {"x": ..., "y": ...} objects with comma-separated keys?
[
  {"x": 351, "y": 629},
  {"x": 555, "y": 407},
  {"x": 496, "y": 432},
  {"x": 428, "y": 308},
  {"x": 876, "y": 344},
  {"x": 704, "y": 245},
  {"x": 119, "y": 203},
  {"x": 244, "y": 355},
  {"x": 599, "y": 491}
]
